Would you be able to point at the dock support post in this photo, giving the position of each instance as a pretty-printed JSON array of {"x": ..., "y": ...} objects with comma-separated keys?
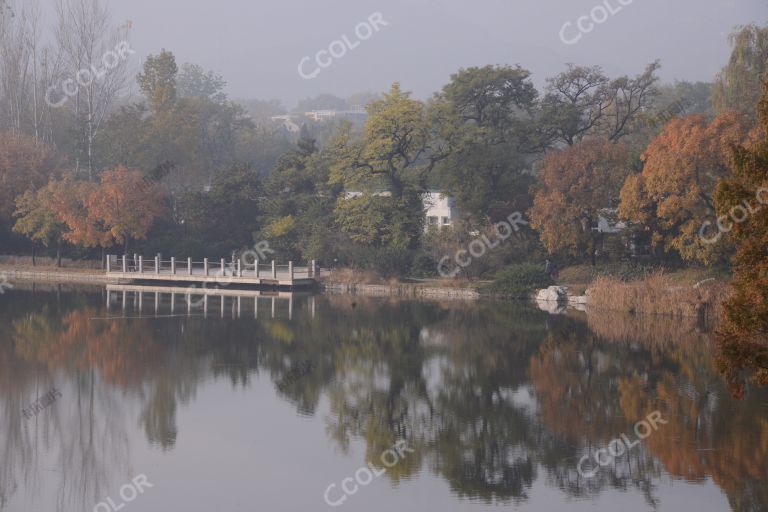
[
  {"x": 157, "y": 264},
  {"x": 173, "y": 266},
  {"x": 205, "y": 266},
  {"x": 290, "y": 270},
  {"x": 239, "y": 269},
  {"x": 223, "y": 268},
  {"x": 141, "y": 264},
  {"x": 274, "y": 270},
  {"x": 109, "y": 260},
  {"x": 313, "y": 269},
  {"x": 125, "y": 264},
  {"x": 256, "y": 265},
  {"x": 189, "y": 266}
]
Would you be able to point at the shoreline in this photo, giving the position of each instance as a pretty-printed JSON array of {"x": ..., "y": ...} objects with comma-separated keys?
[
  {"x": 87, "y": 276},
  {"x": 559, "y": 305},
  {"x": 83, "y": 276}
]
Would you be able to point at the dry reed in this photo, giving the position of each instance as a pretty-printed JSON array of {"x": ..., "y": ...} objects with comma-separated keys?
[{"x": 657, "y": 294}]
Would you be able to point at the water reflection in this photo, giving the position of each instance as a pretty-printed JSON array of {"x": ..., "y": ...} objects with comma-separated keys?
[{"x": 493, "y": 397}]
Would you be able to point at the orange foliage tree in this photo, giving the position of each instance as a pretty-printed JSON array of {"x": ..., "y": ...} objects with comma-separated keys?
[
  {"x": 121, "y": 207},
  {"x": 743, "y": 337},
  {"x": 125, "y": 205},
  {"x": 672, "y": 197},
  {"x": 576, "y": 184},
  {"x": 68, "y": 198}
]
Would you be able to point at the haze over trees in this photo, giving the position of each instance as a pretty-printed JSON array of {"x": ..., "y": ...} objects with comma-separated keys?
[{"x": 586, "y": 149}]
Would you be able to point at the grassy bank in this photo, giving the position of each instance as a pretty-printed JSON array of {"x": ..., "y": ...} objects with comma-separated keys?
[{"x": 45, "y": 263}]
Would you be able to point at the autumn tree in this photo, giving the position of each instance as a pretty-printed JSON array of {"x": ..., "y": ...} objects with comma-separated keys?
[
  {"x": 25, "y": 164},
  {"x": 68, "y": 198},
  {"x": 576, "y": 183},
  {"x": 737, "y": 86},
  {"x": 38, "y": 220},
  {"x": 743, "y": 337},
  {"x": 125, "y": 205},
  {"x": 671, "y": 199}
]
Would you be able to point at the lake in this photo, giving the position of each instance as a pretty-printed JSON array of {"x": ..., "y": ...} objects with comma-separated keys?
[{"x": 111, "y": 401}]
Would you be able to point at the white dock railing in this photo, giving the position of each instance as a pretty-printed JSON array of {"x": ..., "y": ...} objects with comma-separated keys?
[{"x": 156, "y": 266}]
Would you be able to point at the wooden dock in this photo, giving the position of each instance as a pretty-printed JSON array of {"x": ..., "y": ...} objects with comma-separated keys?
[{"x": 211, "y": 274}]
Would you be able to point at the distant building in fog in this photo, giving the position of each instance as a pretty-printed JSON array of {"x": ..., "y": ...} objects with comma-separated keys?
[
  {"x": 287, "y": 123},
  {"x": 439, "y": 209},
  {"x": 356, "y": 116}
]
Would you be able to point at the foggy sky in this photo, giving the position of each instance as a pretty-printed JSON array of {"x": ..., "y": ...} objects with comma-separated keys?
[{"x": 257, "y": 44}]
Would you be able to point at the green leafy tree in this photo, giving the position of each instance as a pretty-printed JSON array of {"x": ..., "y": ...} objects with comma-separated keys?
[
  {"x": 158, "y": 81},
  {"x": 194, "y": 82},
  {"x": 223, "y": 219},
  {"x": 38, "y": 220},
  {"x": 397, "y": 152},
  {"x": 298, "y": 203},
  {"x": 492, "y": 110}
]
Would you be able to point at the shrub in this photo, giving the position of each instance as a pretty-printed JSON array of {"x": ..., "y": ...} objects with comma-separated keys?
[
  {"x": 387, "y": 262},
  {"x": 423, "y": 265},
  {"x": 520, "y": 280}
]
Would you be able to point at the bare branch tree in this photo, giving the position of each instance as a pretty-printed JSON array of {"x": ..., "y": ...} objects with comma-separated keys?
[{"x": 88, "y": 44}]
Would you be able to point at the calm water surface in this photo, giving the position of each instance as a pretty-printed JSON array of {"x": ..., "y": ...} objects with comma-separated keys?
[{"x": 249, "y": 407}]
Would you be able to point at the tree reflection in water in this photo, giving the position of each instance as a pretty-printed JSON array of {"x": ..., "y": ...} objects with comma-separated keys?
[{"x": 491, "y": 396}]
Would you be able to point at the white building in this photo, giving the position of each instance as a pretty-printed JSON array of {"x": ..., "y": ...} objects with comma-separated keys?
[
  {"x": 352, "y": 194},
  {"x": 440, "y": 209}
]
